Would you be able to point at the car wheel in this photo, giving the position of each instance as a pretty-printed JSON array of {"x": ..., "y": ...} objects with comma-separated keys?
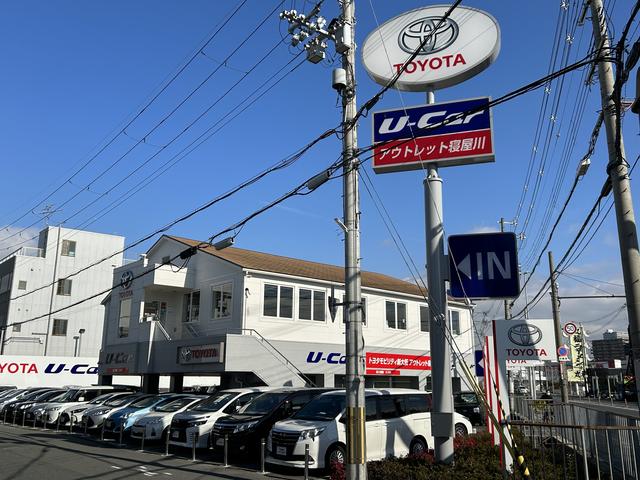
[
  {"x": 461, "y": 430},
  {"x": 335, "y": 454},
  {"x": 418, "y": 446}
]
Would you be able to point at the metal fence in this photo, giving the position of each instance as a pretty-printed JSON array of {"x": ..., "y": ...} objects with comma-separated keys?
[{"x": 587, "y": 441}]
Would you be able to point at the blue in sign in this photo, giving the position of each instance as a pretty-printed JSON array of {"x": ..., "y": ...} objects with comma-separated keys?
[
  {"x": 484, "y": 265},
  {"x": 479, "y": 358}
]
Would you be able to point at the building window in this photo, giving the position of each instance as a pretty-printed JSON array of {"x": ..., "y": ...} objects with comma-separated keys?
[
  {"x": 424, "y": 318},
  {"x": 454, "y": 317},
  {"x": 68, "y": 248},
  {"x": 222, "y": 297},
  {"x": 191, "y": 307},
  {"x": 64, "y": 286},
  {"x": 311, "y": 305},
  {"x": 364, "y": 310},
  {"x": 17, "y": 327},
  {"x": 155, "y": 311},
  {"x": 396, "y": 315},
  {"x": 59, "y": 327},
  {"x": 125, "y": 317},
  {"x": 22, "y": 284},
  {"x": 278, "y": 301},
  {"x": 5, "y": 283}
]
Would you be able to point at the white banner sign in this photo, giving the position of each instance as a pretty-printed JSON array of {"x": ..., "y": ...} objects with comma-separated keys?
[
  {"x": 516, "y": 364},
  {"x": 38, "y": 371},
  {"x": 201, "y": 354},
  {"x": 525, "y": 340}
]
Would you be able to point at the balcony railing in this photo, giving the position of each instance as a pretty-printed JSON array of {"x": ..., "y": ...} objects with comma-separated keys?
[{"x": 31, "y": 252}]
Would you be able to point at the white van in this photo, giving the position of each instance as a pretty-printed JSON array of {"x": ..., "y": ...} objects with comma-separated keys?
[
  {"x": 398, "y": 422},
  {"x": 200, "y": 418}
]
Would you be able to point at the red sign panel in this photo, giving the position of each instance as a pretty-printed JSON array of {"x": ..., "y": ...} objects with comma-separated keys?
[{"x": 392, "y": 363}]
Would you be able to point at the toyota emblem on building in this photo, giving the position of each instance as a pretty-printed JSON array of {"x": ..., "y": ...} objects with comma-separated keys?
[
  {"x": 436, "y": 32},
  {"x": 525, "y": 335},
  {"x": 126, "y": 279},
  {"x": 186, "y": 354}
]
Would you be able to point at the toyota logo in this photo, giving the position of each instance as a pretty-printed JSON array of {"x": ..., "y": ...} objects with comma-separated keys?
[
  {"x": 525, "y": 335},
  {"x": 426, "y": 30},
  {"x": 186, "y": 354},
  {"x": 126, "y": 279}
]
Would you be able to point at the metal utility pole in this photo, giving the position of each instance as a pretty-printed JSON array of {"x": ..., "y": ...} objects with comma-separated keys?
[
  {"x": 555, "y": 305},
  {"x": 442, "y": 404},
  {"x": 617, "y": 169},
  {"x": 342, "y": 32}
]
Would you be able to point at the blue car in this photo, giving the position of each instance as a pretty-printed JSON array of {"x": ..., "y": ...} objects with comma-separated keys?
[{"x": 125, "y": 417}]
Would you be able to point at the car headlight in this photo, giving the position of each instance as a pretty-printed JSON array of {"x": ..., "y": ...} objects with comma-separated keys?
[
  {"x": 243, "y": 427},
  {"x": 23, "y": 407},
  {"x": 101, "y": 412},
  {"x": 195, "y": 423},
  {"x": 312, "y": 433}
]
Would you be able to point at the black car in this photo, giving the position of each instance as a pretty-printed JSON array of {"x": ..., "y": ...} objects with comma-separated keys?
[
  {"x": 245, "y": 429},
  {"x": 467, "y": 404}
]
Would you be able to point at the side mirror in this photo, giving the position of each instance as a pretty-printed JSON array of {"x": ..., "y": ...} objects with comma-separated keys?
[
  {"x": 343, "y": 419},
  {"x": 287, "y": 409}
]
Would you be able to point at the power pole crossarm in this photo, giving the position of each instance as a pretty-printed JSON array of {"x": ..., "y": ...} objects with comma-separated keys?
[{"x": 621, "y": 186}]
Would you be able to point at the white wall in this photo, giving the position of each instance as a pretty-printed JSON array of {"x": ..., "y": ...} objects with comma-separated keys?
[{"x": 38, "y": 272}]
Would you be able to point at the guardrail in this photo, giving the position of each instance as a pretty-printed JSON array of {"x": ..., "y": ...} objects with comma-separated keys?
[{"x": 607, "y": 443}]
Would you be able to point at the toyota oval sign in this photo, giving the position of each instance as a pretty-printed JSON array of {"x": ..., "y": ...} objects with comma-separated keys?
[{"x": 450, "y": 50}]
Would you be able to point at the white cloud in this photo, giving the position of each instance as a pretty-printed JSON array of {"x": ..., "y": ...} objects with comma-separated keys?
[{"x": 483, "y": 229}]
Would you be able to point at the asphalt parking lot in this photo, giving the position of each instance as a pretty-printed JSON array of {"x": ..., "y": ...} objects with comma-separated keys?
[{"x": 27, "y": 453}]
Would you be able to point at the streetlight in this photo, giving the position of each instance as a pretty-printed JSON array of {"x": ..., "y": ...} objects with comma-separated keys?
[{"x": 79, "y": 343}]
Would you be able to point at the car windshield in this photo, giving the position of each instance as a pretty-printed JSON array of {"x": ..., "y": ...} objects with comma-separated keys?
[
  {"x": 101, "y": 399},
  {"x": 214, "y": 403},
  {"x": 173, "y": 405},
  {"x": 32, "y": 395},
  {"x": 144, "y": 402},
  {"x": 466, "y": 398},
  {"x": 69, "y": 396},
  {"x": 263, "y": 404},
  {"x": 118, "y": 402},
  {"x": 48, "y": 395},
  {"x": 323, "y": 407}
]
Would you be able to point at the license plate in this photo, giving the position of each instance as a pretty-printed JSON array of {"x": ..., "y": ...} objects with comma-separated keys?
[
  {"x": 219, "y": 442},
  {"x": 175, "y": 434},
  {"x": 281, "y": 450}
]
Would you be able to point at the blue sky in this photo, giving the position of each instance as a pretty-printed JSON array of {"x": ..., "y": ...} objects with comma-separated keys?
[{"x": 75, "y": 72}]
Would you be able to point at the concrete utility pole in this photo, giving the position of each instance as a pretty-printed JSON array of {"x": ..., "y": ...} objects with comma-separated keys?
[
  {"x": 442, "y": 403},
  {"x": 507, "y": 306},
  {"x": 54, "y": 287},
  {"x": 555, "y": 304},
  {"x": 617, "y": 169},
  {"x": 342, "y": 32},
  {"x": 356, "y": 452}
]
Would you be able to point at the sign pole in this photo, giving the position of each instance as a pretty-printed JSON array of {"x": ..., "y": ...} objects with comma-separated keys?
[
  {"x": 555, "y": 304},
  {"x": 442, "y": 412}
]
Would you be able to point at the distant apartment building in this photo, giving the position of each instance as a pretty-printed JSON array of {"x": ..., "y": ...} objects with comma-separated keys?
[
  {"x": 36, "y": 281},
  {"x": 613, "y": 346}
]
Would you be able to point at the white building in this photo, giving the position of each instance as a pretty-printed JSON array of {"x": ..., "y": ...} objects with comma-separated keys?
[
  {"x": 34, "y": 282},
  {"x": 255, "y": 318}
]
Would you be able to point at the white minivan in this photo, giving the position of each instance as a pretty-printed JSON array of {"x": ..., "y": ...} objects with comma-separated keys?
[{"x": 398, "y": 422}]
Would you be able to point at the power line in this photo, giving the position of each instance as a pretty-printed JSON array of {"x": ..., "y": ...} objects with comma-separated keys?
[{"x": 137, "y": 115}]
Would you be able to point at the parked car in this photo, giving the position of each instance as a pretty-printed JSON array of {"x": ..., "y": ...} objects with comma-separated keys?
[
  {"x": 467, "y": 404},
  {"x": 6, "y": 407},
  {"x": 155, "y": 424},
  {"x": 22, "y": 407},
  {"x": 198, "y": 420},
  {"x": 398, "y": 422},
  {"x": 245, "y": 429},
  {"x": 75, "y": 410},
  {"x": 124, "y": 418},
  {"x": 93, "y": 418},
  {"x": 75, "y": 395}
]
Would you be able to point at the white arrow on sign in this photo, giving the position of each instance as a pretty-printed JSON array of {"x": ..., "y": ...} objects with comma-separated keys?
[{"x": 465, "y": 266}]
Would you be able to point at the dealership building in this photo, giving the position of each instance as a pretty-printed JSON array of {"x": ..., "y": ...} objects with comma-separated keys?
[{"x": 252, "y": 318}]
